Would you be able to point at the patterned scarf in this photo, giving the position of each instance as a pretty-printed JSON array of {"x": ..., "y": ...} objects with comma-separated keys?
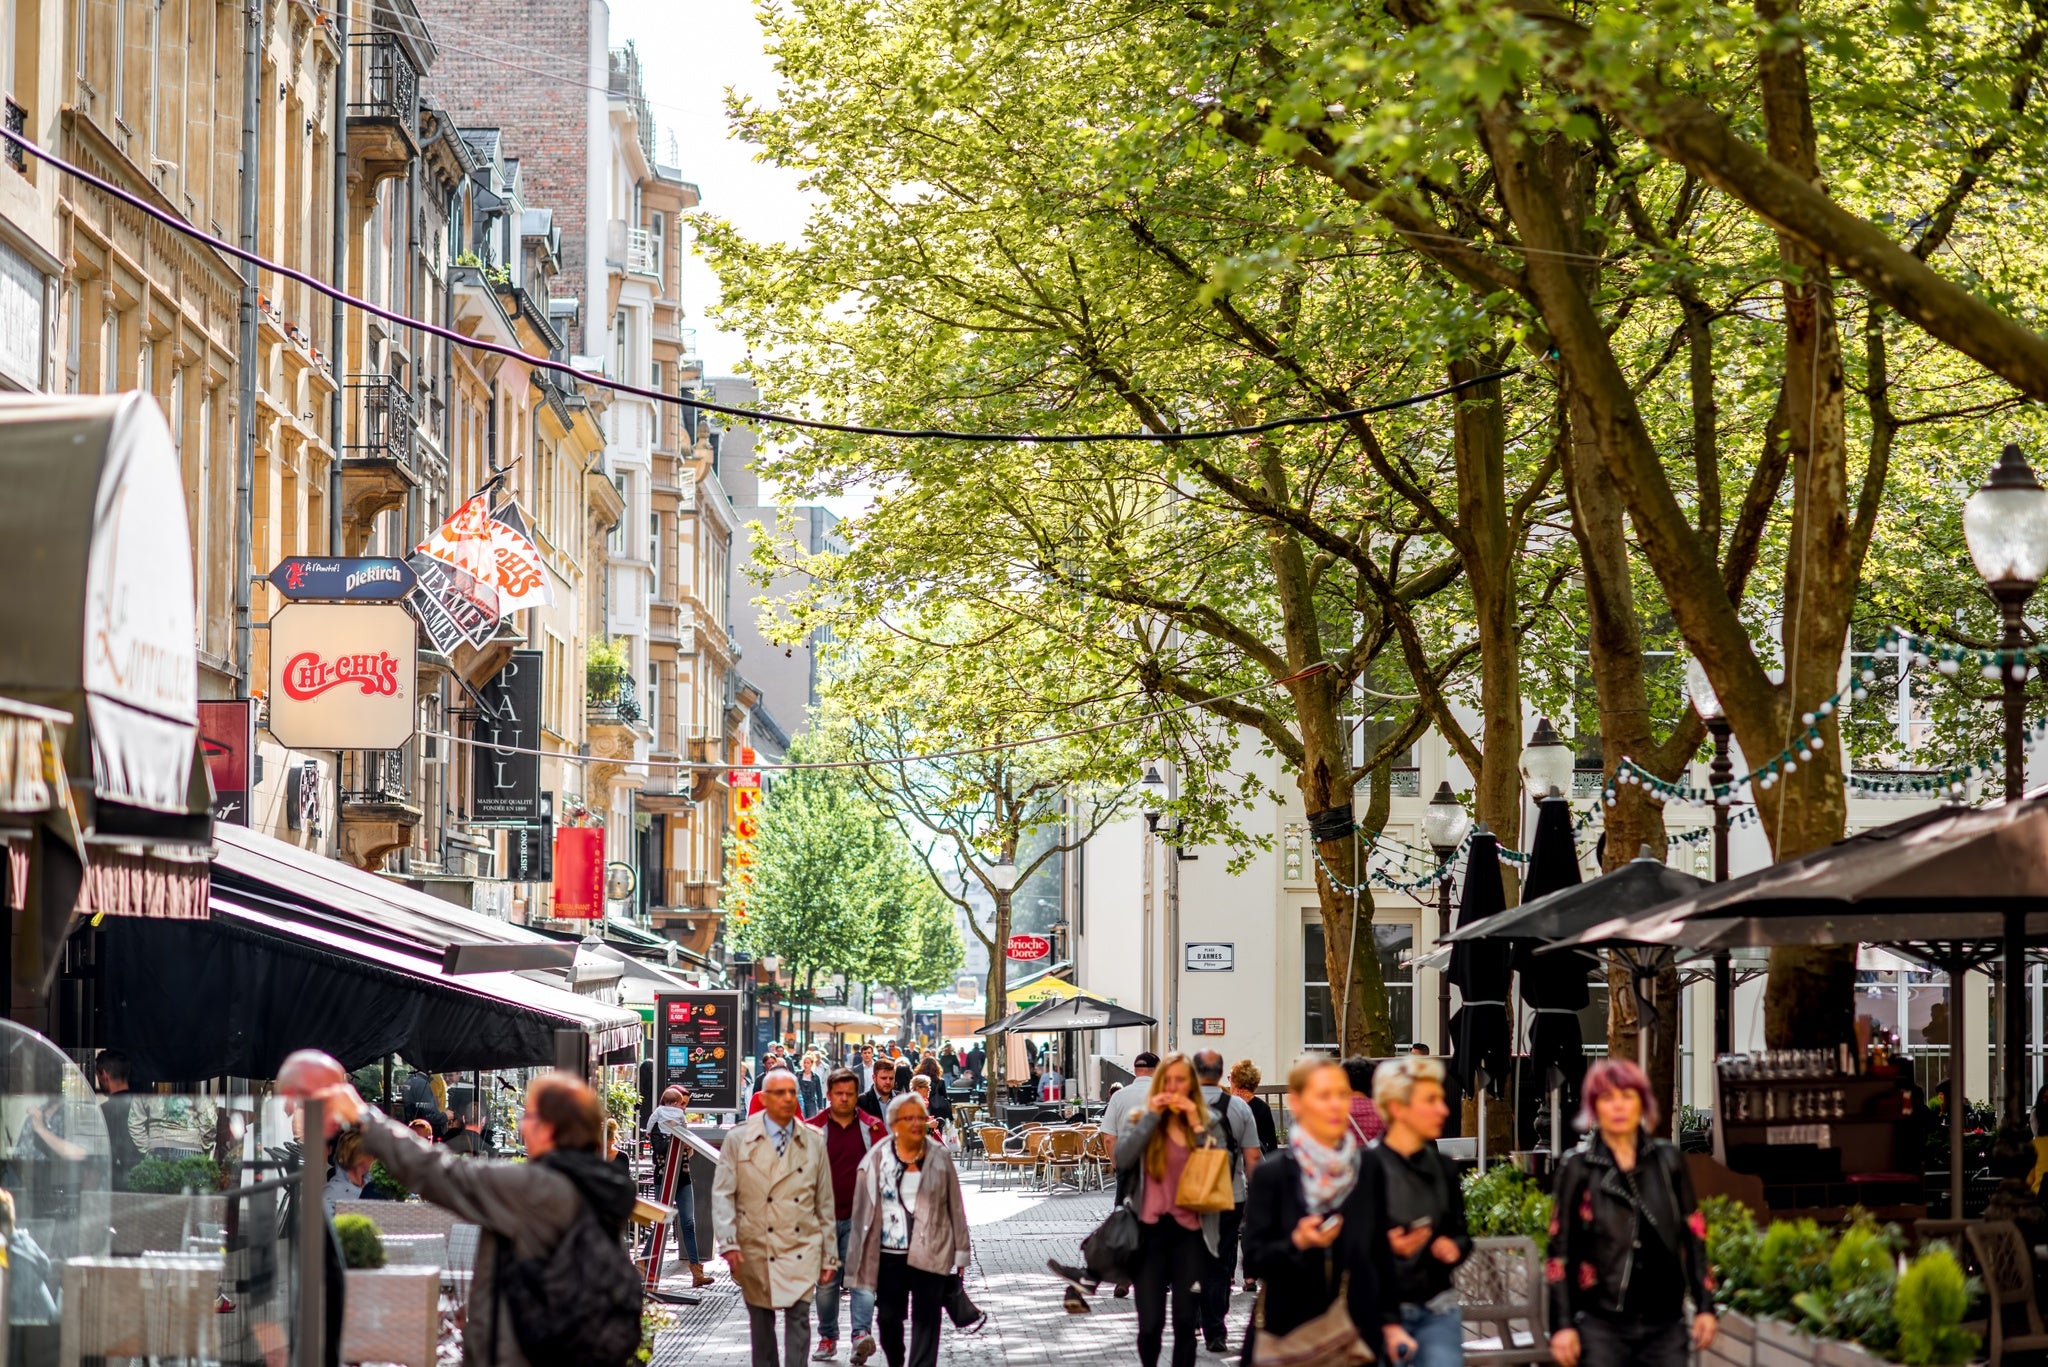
[{"x": 1327, "y": 1174}]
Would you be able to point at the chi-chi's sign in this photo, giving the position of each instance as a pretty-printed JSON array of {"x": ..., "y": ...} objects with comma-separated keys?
[
  {"x": 308, "y": 674},
  {"x": 342, "y": 676},
  {"x": 1025, "y": 948}
]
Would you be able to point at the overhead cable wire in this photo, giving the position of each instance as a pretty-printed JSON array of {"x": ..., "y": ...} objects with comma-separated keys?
[
  {"x": 994, "y": 747},
  {"x": 176, "y": 224}
]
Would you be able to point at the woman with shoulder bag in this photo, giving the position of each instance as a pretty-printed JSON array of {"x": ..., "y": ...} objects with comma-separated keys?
[
  {"x": 909, "y": 1236},
  {"x": 1309, "y": 1224},
  {"x": 1164, "y": 1146},
  {"x": 1627, "y": 1241}
]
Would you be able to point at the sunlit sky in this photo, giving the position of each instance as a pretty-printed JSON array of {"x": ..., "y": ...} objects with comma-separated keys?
[{"x": 690, "y": 54}]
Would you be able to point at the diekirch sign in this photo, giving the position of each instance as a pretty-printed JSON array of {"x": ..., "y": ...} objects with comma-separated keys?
[
  {"x": 505, "y": 761},
  {"x": 343, "y": 676},
  {"x": 579, "y": 873},
  {"x": 227, "y": 738},
  {"x": 348, "y": 579}
]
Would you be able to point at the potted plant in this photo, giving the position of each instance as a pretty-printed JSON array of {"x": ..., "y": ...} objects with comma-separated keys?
[
  {"x": 168, "y": 1200},
  {"x": 392, "y": 1314}
]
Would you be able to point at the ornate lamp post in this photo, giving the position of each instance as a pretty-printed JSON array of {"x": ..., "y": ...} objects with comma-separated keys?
[
  {"x": 2005, "y": 525},
  {"x": 1445, "y": 823},
  {"x": 1700, "y": 690},
  {"x": 1546, "y": 763}
]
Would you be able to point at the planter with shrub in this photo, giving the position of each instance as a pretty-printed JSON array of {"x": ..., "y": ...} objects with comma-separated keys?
[{"x": 392, "y": 1314}]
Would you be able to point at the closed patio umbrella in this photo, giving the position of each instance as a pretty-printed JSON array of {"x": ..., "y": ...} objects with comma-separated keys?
[
  {"x": 1553, "y": 985},
  {"x": 1481, "y": 970}
]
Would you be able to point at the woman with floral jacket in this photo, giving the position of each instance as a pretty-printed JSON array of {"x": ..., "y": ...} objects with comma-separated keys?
[{"x": 1627, "y": 1240}]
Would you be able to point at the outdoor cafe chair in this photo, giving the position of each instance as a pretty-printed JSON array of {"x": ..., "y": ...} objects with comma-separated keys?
[
  {"x": 2008, "y": 1284},
  {"x": 1098, "y": 1157},
  {"x": 996, "y": 1156},
  {"x": 1504, "y": 1302},
  {"x": 1065, "y": 1151}
]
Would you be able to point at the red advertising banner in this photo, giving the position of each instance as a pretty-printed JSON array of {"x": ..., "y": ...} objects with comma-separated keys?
[
  {"x": 227, "y": 739},
  {"x": 579, "y": 873}
]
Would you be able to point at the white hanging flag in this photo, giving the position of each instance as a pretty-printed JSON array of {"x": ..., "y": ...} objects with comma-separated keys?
[{"x": 521, "y": 577}]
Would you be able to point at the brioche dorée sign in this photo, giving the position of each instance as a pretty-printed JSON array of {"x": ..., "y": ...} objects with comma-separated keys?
[{"x": 343, "y": 676}]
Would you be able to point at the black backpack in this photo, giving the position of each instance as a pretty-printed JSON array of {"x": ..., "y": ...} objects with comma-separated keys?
[{"x": 578, "y": 1305}]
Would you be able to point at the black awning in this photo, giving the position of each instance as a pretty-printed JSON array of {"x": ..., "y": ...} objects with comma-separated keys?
[{"x": 232, "y": 996}]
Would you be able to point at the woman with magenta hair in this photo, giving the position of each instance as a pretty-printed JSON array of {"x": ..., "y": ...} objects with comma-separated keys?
[{"x": 1627, "y": 1241}]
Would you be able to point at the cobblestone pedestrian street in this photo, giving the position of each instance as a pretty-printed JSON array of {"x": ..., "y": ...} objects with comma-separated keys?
[{"x": 1014, "y": 1233}]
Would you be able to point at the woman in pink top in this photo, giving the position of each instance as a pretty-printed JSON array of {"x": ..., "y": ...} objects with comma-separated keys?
[{"x": 1178, "y": 1243}]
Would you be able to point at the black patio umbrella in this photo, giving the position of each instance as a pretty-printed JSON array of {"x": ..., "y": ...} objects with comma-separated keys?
[
  {"x": 1081, "y": 1013},
  {"x": 1951, "y": 885},
  {"x": 1553, "y": 985},
  {"x": 1481, "y": 971},
  {"x": 1016, "y": 1018},
  {"x": 1642, "y": 885}
]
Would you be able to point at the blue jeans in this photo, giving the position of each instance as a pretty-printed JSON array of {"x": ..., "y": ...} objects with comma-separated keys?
[
  {"x": 1439, "y": 1337},
  {"x": 686, "y": 1223},
  {"x": 828, "y": 1297}
]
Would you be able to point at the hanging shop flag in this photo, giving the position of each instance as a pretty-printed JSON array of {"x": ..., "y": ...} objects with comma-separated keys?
[
  {"x": 456, "y": 599},
  {"x": 504, "y": 763},
  {"x": 579, "y": 873},
  {"x": 343, "y": 676},
  {"x": 227, "y": 738},
  {"x": 522, "y": 580},
  {"x": 452, "y": 607}
]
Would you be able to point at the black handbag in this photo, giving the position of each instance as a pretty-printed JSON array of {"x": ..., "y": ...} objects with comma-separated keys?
[
  {"x": 967, "y": 1317},
  {"x": 1111, "y": 1250}
]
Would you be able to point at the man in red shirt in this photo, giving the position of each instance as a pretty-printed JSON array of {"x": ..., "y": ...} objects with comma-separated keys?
[{"x": 849, "y": 1133}]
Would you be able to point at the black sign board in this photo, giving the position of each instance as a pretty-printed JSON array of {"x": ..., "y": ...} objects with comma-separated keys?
[
  {"x": 348, "y": 579},
  {"x": 504, "y": 762},
  {"x": 452, "y": 605},
  {"x": 697, "y": 1045},
  {"x": 530, "y": 850}
]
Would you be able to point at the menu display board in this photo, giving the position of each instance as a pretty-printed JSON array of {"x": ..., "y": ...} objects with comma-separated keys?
[{"x": 696, "y": 1039}]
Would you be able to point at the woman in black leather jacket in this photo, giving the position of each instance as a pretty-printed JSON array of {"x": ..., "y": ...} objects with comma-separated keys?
[{"x": 1627, "y": 1241}]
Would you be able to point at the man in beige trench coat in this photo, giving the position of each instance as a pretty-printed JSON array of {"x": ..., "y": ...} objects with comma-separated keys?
[{"x": 772, "y": 1217}]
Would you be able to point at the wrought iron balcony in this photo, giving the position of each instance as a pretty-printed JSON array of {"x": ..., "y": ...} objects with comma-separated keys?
[
  {"x": 615, "y": 701},
  {"x": 386, "y": 429},
  {"x": 375, "y": 778},
  {"x": 17, "y": 122},
  {"x": 389, "y": 87}
]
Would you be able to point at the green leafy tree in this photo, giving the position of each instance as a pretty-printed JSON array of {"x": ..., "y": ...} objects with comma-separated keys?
[{"x": 916, "y": 948}]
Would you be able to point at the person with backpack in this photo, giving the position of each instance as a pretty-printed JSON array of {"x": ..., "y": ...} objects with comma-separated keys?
[
  {"x": 1241, "y": 1136},
  {"x": 772, "y": 1217},
  {"x": 849, "y": 1133},
  {"x": 552, "y": 1281}
]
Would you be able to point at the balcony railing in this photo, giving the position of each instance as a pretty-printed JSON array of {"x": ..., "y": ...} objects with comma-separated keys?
[
  {"x": 390, "y": 87},
  {"x": 385, "y": 424},
  {"x": 617, "y": 701},
  {"x": 643, "y": 252},
  {"x": 375, "y": 777},
  {"x": 17, "y": 122}
]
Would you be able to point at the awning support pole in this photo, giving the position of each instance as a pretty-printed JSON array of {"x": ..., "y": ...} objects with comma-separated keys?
[
  {"x": 1956, "y": 969},
  {"x": 572, "y": 1053},
  {"x": 313, "y": 1251}
]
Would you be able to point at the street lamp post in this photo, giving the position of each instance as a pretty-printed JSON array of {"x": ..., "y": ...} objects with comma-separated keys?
[
  {"x": 1546, "y": 763},
  {"x": 1720, "y": 775},
  {"x": 1445, "y": 823},
  {"x": 2005, "y": 525}
]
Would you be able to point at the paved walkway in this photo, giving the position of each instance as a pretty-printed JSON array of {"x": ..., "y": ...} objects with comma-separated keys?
[{"x": 1014, "y": 1233}]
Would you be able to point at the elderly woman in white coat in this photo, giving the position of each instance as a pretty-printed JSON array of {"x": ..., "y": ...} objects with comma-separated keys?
[{"x": 909, "y": 1236}]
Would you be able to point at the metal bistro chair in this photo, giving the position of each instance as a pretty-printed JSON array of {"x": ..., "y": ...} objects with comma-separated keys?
[
  {"x": 1037, "y": 1141},
  {"x": 1502, "y": 1297},
  {"x": 2008, "y": 1284},
  {"x": 997, "y": 1156},
  {"x": 1065, "y": 1151},
  {"x": 1098, "y": 1156}
]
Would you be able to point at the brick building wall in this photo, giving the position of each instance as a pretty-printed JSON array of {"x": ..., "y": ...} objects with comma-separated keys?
[{"x": 547, "y": 124}]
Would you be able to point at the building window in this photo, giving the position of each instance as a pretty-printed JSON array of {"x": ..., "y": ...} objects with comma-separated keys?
[
  {"x": 654, "y": 548},
  {"x": 1395, "y": 941},
  {"x": 619, "y": 345},
  {"x": 654, "y": 700}
]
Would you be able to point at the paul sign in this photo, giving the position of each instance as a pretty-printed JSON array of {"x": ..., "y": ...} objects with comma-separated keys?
[
  {"x": 1024, "y": 948},
  {"x": 343, "y": 676}
]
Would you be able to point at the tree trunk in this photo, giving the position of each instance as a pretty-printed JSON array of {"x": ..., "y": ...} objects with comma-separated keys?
[
  {"x": 1480, "y": 445},
  {"x": 1349, "y": 954},
  {"x": 998, "y": 1001}
]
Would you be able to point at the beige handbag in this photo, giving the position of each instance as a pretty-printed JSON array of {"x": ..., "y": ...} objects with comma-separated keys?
[
  {"x": 1328, "y": 1340},
  {"x": 1205, "y": 1182}
]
